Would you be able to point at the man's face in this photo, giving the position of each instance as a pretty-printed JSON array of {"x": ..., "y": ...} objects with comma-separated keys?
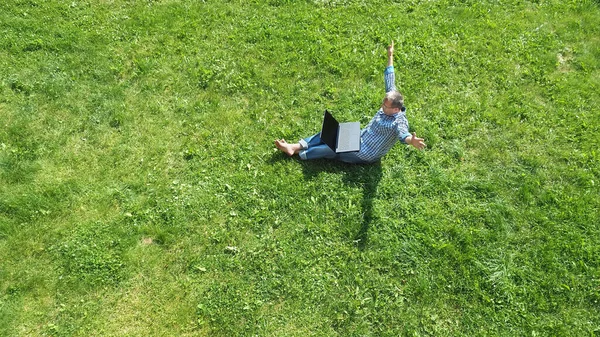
[{"x": 386, "y": 106}]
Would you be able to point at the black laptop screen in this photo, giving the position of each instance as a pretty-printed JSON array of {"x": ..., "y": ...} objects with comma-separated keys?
[{"x": 329, "y": 130}]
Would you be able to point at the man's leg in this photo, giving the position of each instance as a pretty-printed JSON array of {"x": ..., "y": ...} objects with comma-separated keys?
[
  {"x": 308, "y": 148},
  {"x": 287, "y": 148},
  {"x": 314, "y": 148},
  {"x": 350, "y": 158}
]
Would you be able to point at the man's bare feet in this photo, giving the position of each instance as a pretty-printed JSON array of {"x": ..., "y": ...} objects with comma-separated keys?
[{"x": 285, "y": 147}]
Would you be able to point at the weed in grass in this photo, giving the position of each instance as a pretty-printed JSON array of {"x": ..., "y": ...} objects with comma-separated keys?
[{"x": 92, "y": 255}]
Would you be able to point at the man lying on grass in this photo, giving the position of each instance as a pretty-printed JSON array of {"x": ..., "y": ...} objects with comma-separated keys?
[{"x": 388, "y": 126}]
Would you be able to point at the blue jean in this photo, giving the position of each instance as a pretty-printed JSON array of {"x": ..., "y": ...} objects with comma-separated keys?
[{"x": 314, "y": 148}]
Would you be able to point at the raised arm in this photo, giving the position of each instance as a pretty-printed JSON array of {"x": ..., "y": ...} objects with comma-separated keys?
[
  {"x": 388, "y": 74},
  {"x": 390, "y": 53}
]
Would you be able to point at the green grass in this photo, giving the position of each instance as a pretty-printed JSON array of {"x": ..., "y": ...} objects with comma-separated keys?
[{"x": 140, "y": 193}]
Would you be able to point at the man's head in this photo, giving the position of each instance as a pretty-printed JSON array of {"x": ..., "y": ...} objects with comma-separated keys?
[{"x": 393, "y": 103}]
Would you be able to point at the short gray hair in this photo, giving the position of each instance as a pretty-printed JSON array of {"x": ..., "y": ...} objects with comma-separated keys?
[{"x": 395, "y": 98}]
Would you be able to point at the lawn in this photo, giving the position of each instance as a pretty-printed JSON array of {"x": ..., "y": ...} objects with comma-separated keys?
[{"x": 141, "y": 194}]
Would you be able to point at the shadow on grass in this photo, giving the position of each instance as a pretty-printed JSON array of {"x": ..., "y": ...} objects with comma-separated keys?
[{"x": 366, "y": 176}]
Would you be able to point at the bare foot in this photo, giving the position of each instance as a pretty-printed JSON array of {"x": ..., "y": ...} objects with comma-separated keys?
[{"x": 285, "y": 147}]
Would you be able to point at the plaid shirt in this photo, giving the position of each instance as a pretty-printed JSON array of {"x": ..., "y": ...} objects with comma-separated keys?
[{"x": 382, "y": 132}]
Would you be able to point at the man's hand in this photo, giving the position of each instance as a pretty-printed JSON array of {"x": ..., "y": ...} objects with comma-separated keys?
[
  {"x": 390, "y": 49},
  {"x": 416, "y": 141}
]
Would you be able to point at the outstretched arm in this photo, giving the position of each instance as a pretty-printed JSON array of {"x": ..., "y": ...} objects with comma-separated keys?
[
  {"x": 388, "y": 75},
  {"x": 415, "y": 141},
  {"x": 390, "y": 53}
]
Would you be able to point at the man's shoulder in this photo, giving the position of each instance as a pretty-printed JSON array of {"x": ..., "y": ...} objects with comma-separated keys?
[
  {"x": 400, "y": 116},
  {"x": 401, "y": 119}
]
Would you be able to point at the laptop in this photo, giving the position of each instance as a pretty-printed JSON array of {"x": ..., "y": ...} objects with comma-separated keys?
[{"x": 340, "y": 137}]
